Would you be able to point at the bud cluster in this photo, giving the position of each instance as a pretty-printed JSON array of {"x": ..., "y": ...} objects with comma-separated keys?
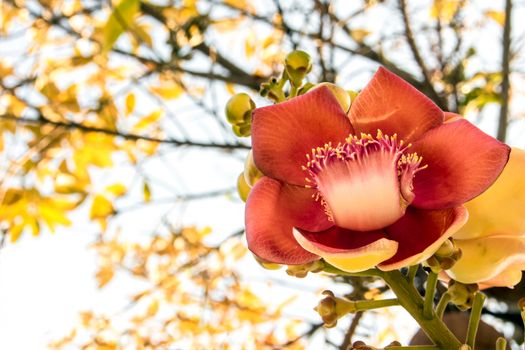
[
  {"x": 462, "y": 295},
  {"x": 445, "y": 257},
  {"x": 239, "y": 114},
  {"x": 333, "y": 308}
]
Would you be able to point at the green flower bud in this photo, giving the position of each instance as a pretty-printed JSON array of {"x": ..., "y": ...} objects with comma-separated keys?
[
  {"x": 300, "y": 271},
  {"x": 251, "y": 173},
  {"x": 242, "y": 187},
  {"x": 446, "y": 249},
  {"x": 267, "y": 265},
  {"x": 333, "y": 308},
  {"x": 445, "y": 257},
  {"x": 340, "y": 94},
  {"x": 242, "y": 130},
  {"x": 239, "y": 109},
  {"x": 297, "y": 64},
  {"x": 462, "y": 295}
]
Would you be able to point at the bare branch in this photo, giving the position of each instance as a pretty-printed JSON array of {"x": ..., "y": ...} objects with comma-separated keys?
[
  {"x": 427, "y": 80},
  {"x": 128, "y": 136},
  {"x": 505, "y": 72}
]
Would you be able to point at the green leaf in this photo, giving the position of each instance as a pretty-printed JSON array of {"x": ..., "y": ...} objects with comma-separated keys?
[{"x": 120, "y": 20}]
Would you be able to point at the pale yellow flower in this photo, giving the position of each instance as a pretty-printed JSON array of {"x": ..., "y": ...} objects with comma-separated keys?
[{"x": 493, "y": 240}]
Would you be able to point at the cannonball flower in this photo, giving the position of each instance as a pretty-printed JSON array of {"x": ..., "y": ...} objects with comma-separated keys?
[
  {"x": 382, "y": 185},
  {"x": 493, "y": 240}
]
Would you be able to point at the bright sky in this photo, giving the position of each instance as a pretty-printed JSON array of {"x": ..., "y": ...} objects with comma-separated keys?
[{"x": 46, "y": 281}]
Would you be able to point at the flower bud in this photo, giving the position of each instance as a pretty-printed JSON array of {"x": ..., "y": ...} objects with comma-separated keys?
[
  {"x": 340, "y": 94},
  {"x": 297, "y": 64},
  {"x": 239, "y": 109},
  {"x": 300, "y": 271},
  {"x": 446, "y": 249},
  {"x": 267, "y": 265},
  {"x": 462, "y": 295},
  {"x": 445, "y": 257},
  {"x": 242, "y": 130},
  {"x": 251, "y": 173},
  {"x": 333, "y": 308},
  {"x": 242, "y": 187}
]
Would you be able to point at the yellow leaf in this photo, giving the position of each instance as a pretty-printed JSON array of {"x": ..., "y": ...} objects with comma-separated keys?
[
  {"x": 359, "y": 34},
  {"x": 101, "y": 207},
  {"x": 104, "y": 275},
  {"x": 147, "y": 121},
  {"x": 147, "y": 192},
  {"x": 445, "y": 10},
  {"x": 130, "y": 103},
  {"x": 52, "y": 216},
  {"x": 169, "y": 92},
  {"x": 230, "y": 88},
  {"x": 498, "y": 16},
  {"x": 117, "y": 189},
  {"x": 153, "y": 308},
  {"x": 15, "y": 231},
  {"x": 119, "y": 21}
]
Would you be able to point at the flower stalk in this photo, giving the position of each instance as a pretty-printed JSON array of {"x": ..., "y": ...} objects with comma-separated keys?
[
  {"x": 475, "y": 316},
  {"x": 413, "y": 303},
  {"x": 430, "y": 291},
  {"x": 442, "y": 304}
]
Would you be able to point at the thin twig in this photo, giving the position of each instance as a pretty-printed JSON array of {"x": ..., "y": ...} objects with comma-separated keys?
[
  {"x": 427, "y": 79},
  {"x": 127, "y": 136},
  {"x": 505, "y": 72},
  {"x": 351, "y": 331}
]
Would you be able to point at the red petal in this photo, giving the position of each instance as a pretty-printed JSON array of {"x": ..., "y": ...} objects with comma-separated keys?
[
  {"x": 284, "y": 133},
  {"x": 452, "y": 117},
  {"x": 394, "y": 106},
  {"x": 462, "y": 162},
  {"x": 348, "y": 250},
  {"x": 272, "y": 210},
  {"x": 420, "y": 233}
]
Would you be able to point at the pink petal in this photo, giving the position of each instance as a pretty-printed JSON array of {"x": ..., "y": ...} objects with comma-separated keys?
[
  {"x": 420, "y": 233},
  {"x": 394, "y": 106},
  {"x": 348, "y": 250},
  {"x": 462, "y": 162},
  {"x": 284, "y": 133},
  {"x": 272, "y": 210}
]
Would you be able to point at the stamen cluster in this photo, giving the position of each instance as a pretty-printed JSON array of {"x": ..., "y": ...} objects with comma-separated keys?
[{"x": 358, "y": 149}]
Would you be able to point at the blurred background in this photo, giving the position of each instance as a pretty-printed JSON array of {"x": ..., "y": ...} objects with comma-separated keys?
[{"x": 120, "y": 222}]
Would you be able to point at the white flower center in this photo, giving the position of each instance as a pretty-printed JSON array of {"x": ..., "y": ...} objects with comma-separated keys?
[{"x": 365, "y": 183}]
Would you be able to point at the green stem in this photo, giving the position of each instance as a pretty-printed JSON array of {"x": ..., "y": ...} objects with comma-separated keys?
[
  {"x": 430, "y": 292},
  {"x": 475, "y": 316},
  {"x": 442, "y": 305},
  {"x": 363, "y": 305},
  {"x": 501, "y": 343},
  {"x": 293, "y": 90},
  {"x": 411, "y": 300},
  {"x": 412, "y": 271}
]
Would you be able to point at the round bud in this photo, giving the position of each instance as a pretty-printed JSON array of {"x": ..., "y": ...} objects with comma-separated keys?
[
  {"x": 297, "y": 64},
  {"x": 267, "y": 265},
  {"x": 239, "y": 109},
  {"x": 242, "y": 130},
  {"x": 242, "y": 187},
  {"x": 340, "y": 94},
  {"x": 251, "y": 173},
  {"x": 446, "y": 249}
]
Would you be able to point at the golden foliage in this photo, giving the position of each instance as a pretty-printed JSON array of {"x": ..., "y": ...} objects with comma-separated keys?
[{"x": 191, "y": 296}]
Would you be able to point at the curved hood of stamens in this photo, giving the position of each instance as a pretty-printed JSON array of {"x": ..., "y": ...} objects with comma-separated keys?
[{"x": 362, "y": 196}]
